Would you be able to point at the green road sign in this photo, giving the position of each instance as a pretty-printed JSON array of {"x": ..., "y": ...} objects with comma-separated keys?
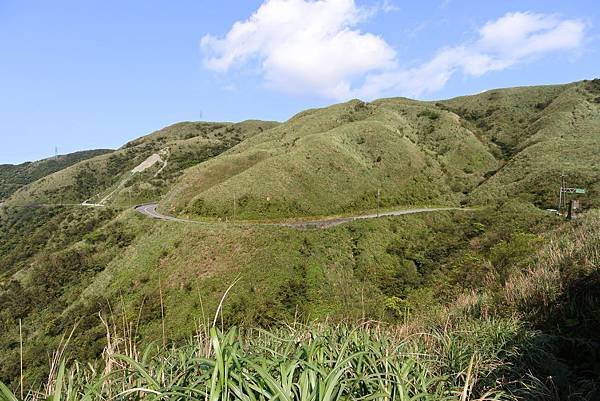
[{"x": 579, "y": 190}]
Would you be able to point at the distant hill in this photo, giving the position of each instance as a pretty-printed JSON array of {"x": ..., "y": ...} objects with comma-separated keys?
[
  {"x": 14, "y": 177},
  {"x": 473, "y": 149},
  {"x": 108, "y": 175},
  {"x": 537, "y": 134}
]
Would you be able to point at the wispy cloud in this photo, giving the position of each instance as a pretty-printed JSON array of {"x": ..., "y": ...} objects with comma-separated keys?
[
  {"x": 512, "y": 39},
  {"x": 316, "y": 47},
  {"x": 388, "y": 6},
  {"x": 229, "y": 88}
]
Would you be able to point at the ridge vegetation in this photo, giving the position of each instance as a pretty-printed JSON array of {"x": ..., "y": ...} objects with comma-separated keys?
[
  {"x": 13, "y": 177},
  {"x": 500, "y": 144}
]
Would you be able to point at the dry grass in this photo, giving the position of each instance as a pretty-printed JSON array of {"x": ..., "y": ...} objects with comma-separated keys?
[{"x": 574, "y": 251}]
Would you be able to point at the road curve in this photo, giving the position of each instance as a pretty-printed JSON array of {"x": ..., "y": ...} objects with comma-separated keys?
[{"x": 149, "y": 210}]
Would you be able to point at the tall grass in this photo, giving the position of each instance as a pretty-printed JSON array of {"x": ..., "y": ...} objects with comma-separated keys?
[
  {"x": 317, "y": 362},
  {"x": 559, "y": 296},
  {"x": 574, "y": 252}
]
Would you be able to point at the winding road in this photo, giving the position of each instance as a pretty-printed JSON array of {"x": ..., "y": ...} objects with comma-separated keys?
[{"x": 149, "y": 210}]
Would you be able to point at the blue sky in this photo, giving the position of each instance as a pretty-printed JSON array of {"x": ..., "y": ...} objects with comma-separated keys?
[{"x": 88, "y": 74}]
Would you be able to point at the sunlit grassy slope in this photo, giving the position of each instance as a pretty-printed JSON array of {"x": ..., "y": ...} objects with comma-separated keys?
[
  {"x": 334, "y": 160},
  {"x": 539, "y": 133},
  {"x": 187, "y": 144},
  {"x": 13, "y": 177},
  {"x": 498, "y": 144}
]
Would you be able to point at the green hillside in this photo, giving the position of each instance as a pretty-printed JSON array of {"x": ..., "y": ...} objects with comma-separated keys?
[
  {"x": 531, "y": 336},
  {"x": 109, "y": 176},
  {"x": 62, "y": 263},
  {"x": 334, "y": 160},
  {"x": 539, "y": 134},
  {"x": 13, "y": 177},
  {"x": 500, "y": 144}
]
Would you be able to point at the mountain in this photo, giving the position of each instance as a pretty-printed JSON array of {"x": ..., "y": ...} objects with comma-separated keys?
[
  {"x": 71, "y": 245},
  {"x": 538, "y": 134},
  {"x": 109, "y": 178},
  {"x": 501, "y": 143},
  {"x": 472, "y": 149},
  {"x": 335, "y": 160},
  {"x": 14, "y": 177}
]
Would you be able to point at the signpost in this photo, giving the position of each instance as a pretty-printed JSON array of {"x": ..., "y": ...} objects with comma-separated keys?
[{"x": 562, "y": 199}]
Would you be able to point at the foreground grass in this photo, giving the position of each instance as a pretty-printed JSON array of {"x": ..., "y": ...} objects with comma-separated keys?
[{"x": 317, "y": 362}]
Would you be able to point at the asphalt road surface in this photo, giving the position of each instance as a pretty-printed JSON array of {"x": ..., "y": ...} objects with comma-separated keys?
[{"x": 150, "y": 211}]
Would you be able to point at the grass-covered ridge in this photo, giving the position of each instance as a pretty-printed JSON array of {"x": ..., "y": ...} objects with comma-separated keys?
[
  {"x": 108, "y": 176},
  {"x": 539, "y": 133},
  {"x": 13, "y": 177},
  {"x": 334, "y": 160},
  {"x": 500, "y": 144}
]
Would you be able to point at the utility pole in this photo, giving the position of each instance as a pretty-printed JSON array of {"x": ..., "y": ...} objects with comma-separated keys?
[
  {"x": 234, "y": 205},
  {"x": 563, "y": 201},
  {"x": 378, "y": 200},
  {"x": 563, "y": 185},
  {"x": 562, "y": 195},
  {"x": 21, "y": 356}
]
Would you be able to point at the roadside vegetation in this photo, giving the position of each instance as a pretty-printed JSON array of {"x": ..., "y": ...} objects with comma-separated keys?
[
  {"x": 317, "y": 362},
  {"x": 497, "y": 343}
]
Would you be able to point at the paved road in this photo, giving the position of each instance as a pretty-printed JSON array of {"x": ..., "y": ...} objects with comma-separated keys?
[
  {"x": 325, "y": 223},
  {"x": 150, "y": 211}
]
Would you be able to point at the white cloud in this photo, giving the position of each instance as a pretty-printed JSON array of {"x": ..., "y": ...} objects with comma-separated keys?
[
  {"x": 315, "y": 47},
  {"x": 512, "y": 39},
  {"x": 303, "y": 46}
]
